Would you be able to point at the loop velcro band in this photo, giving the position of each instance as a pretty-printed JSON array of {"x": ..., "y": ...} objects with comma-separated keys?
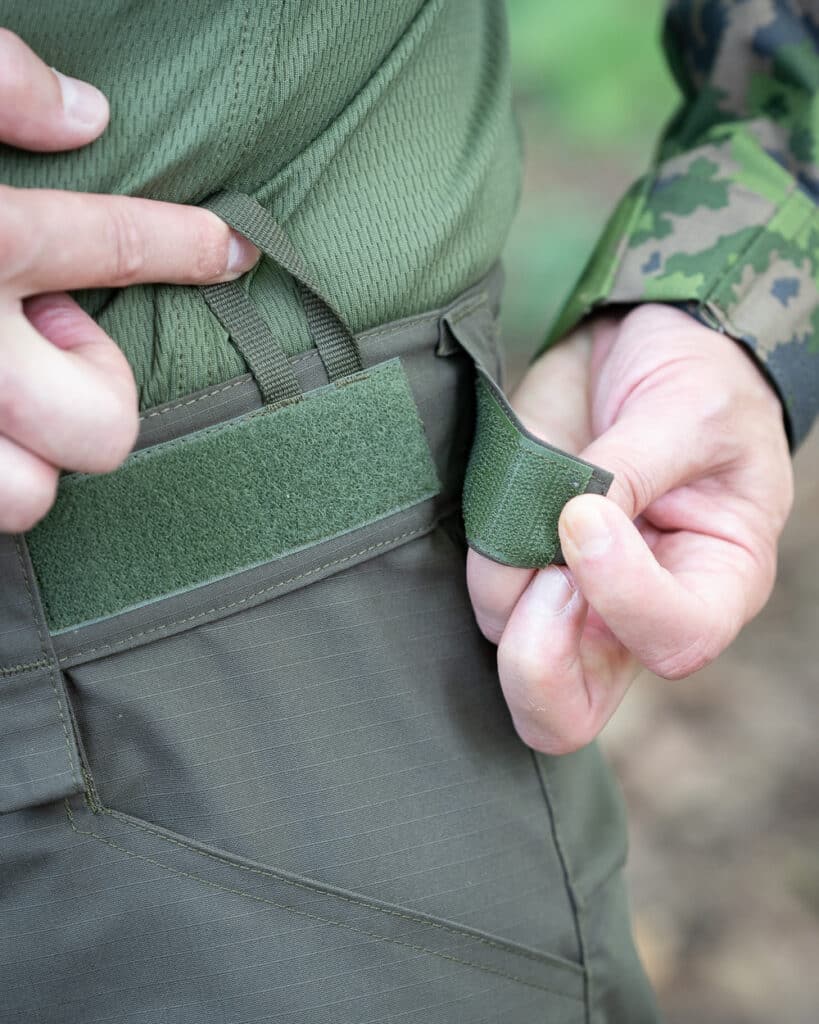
[
  {"x": 229, "y": 497},
  {"x": 516, "y": 486}
]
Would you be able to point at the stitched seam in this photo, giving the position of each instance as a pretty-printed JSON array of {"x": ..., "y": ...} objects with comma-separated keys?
[
  {"x": 234, "y": 103},
  {"x": 311, "y": 353},
  {"x": 482, "y": 299},
  {"x": 192, "y": 401},
  {"x": 155, "y": 451},
  {"x": 251, "y": 134},
  {"x": 377, "y": 332},
  {"x": 51, "y": 673},
  {"x": 11, "y": 670},
  {"x": 570, "y": 887},
  {"x": 356, "y": 901},
  {"x": 245, "y": 600},
  {"x": 308, "y": 914},
  {"x": 600, "y": 294}
]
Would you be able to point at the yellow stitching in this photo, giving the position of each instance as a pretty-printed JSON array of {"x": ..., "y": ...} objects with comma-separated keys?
[
  {"x": 244, "y": 600},
  {"x": 318, "y": 917}
]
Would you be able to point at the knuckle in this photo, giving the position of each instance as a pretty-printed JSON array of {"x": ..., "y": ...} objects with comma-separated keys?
[
  {"x": 680, "y": 664},
  {"x": 763, "y": 558},
  {"x": 635, "y": 485},
  {"x": 15, "y": 236},
  {"x": 566, "y": 740},
  {"x": 520, "y": 665},
  {"x": 29, "y": 500},
  {"x": 119, "y": 424},
  {"x": 785, "y": 494},
  {"x": 125, "y": 244},
  {"x": 13, "y": 400},
  {"x": 12, "y": 66},
  {"x": 211, "y": 243}
]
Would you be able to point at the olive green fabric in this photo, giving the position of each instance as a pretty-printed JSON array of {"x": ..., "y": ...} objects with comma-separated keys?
[
  {"x": 516, "y": 486},
  {"x": 39, "y": 759},
  {"x": 264, "y": 356},
  {"x": 378, "y": 133},
  {"x": 328, "y": 330},
  {"x": 396, "y": 169},
  {"x": 223, "y": 499},
  {"x": 303, "y": 800}
]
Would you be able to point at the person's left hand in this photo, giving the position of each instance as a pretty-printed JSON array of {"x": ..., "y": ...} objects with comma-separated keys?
[{"x": 664, "y": 571}]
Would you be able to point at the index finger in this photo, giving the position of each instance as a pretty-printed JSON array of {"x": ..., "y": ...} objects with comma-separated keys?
[{"x": 59, "y": 241}]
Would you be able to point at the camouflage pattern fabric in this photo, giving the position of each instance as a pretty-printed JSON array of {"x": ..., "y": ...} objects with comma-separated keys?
[{"x": 725, "y": 222}]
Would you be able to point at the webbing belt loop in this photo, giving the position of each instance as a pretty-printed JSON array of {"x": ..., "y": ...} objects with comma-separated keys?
[
  {"x": 231, "y": 306},
  {"x": 264, "y": 356}
]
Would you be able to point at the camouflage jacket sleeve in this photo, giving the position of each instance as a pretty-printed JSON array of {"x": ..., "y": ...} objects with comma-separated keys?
[{"x": 726, "y": 220}]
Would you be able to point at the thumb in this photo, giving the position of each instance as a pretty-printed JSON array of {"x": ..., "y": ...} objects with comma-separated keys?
[
  {"x": 651, "y": 451},
  {"x": 41, "y": 109},
  {"x": 674, "y": 613}
]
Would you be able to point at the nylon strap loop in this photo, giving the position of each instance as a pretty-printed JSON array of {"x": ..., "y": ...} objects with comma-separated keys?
[
  {"x": 331, "y": 335},
  {"x": 264, "y": 356}
]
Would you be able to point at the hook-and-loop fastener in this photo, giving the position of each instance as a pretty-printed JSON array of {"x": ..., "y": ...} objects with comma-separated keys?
[{"x": 516, "y": 485}]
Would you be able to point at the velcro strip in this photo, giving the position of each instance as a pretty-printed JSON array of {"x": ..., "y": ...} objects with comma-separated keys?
[
  {"x": 516, "y": 486},
  {"x": 204, "y": 506}
]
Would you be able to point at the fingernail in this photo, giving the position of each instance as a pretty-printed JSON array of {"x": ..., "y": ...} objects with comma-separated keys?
[
  {"x": 242, "y": 254},
  {"x": 552, "y": 591},
  {"x": 82, "y": 103},
  {"x": 584, "y": 529}
]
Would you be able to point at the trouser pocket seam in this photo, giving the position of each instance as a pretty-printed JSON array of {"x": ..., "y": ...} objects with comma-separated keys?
[{"x": 510, "y": 949}]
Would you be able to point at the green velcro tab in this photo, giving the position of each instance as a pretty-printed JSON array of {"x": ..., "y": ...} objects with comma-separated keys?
[
  {"x": 516, "y": 486},
  {"x": 229, "y": 497}
]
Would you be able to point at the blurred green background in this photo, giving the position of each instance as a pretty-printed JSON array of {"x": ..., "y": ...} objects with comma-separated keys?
[
  {"x": 592, "y": 93},
  {"x": 720, "y": 772}
]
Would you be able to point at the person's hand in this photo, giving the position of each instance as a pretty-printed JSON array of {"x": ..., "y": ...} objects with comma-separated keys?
[
  {"x": 664, "y": 571},
  {"x": 67, "y": 396}
]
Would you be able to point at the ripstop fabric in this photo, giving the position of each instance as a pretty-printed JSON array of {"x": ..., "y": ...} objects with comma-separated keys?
[{"x": 295, "y": 793}]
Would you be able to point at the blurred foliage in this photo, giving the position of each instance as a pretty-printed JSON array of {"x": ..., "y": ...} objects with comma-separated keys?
[
  {"x": 592, "y": 92},
  {"x": 594, "y": 68}
]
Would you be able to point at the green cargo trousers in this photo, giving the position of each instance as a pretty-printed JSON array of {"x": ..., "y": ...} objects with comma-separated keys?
[{"x": 248, "y": 776}]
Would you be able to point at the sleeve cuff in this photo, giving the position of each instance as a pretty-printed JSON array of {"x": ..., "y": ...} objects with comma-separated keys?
[{"x": 727, "y": 231}]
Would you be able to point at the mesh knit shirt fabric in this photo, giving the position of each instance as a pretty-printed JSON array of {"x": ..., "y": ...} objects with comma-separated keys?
[{"x": 379, "y": 133}]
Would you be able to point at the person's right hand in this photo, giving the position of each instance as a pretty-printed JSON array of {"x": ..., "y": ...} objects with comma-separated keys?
[{"x": 67, "y": 396}]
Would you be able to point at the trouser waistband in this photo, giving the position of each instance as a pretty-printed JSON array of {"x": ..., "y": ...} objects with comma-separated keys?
[{"x": 39, "y": 759}]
